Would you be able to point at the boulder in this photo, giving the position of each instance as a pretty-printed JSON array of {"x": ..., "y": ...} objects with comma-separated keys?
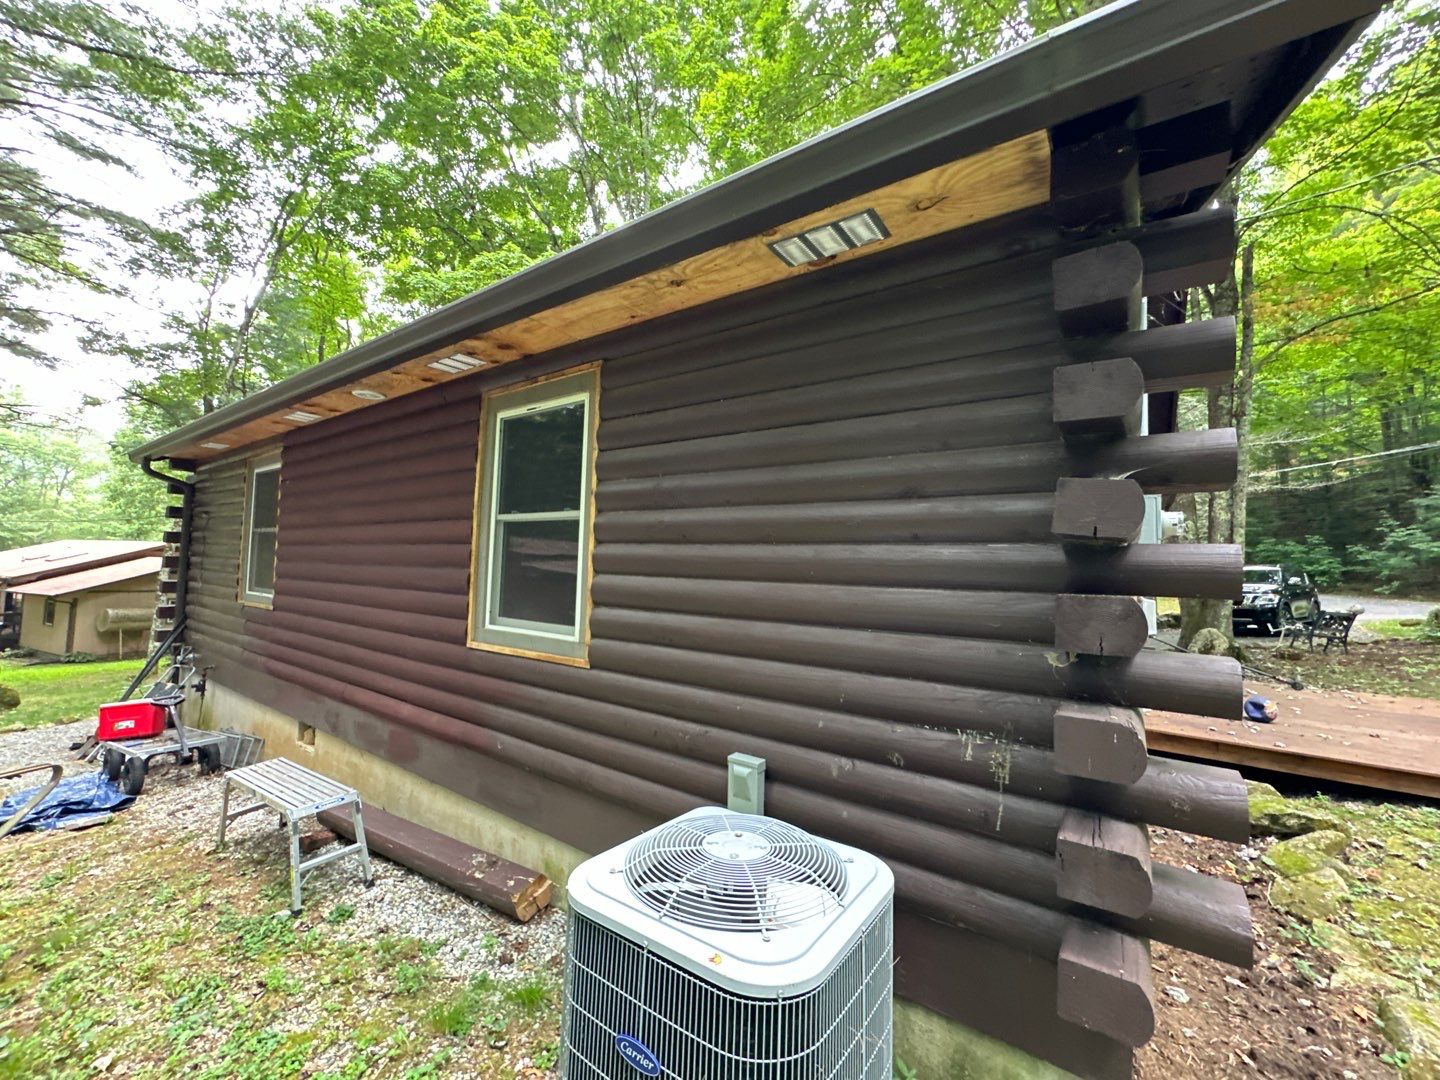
[
  {"x": 1306, "y": 853},
  {"x": 1413, "y": 1026},
  {"x": 1315, "y": 896},
  {"x": 1210, "y": 642},
  {"x": 9, "y": 698},
  {"x": 1272, "y": 814}
]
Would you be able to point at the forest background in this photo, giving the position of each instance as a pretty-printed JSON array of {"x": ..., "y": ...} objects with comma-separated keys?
[{"x": 342, "y": 167}]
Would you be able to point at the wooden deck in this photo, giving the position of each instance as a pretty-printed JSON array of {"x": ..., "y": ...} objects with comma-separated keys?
[{"x": 1388, "y": 743}]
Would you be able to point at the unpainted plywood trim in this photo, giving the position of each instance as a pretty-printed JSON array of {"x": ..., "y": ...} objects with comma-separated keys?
[
  {"x": 1012, "y": 176},
  {"x": 509, "y": 650}
]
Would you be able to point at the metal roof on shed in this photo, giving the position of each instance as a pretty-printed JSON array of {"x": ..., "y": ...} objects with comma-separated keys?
[{"x": 94, "y": 578}]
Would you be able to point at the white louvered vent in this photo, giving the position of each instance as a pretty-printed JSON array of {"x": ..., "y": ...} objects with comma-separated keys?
[{"x": 735, "y": 872}]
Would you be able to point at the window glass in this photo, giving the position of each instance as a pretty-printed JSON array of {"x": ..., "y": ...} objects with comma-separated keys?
[
  {"x": 533, "y": 533},
  {"x": 262, "y": 515},
  {"x": 48, "y": 614},
  {"x": 541, "y": 459},
  {"x": 539, "y": 565}
]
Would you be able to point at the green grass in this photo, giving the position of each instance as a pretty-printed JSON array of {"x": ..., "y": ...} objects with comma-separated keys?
[
  {"x": 1393, "y": 628},
  {"x": 209, "y": 982},
  {"x": 57, "y": 693}
]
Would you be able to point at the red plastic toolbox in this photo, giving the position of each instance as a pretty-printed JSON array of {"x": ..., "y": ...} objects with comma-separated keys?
[{"x": 130, "y": 720}]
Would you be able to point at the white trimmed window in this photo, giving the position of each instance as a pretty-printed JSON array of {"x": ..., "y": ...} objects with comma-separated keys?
[
  {"x": 531, "y": 574},
  {"x": 262, "y": 516}
]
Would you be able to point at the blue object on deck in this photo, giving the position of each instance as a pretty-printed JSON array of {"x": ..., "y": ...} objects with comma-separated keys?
[{"x": 75, "y": 797}]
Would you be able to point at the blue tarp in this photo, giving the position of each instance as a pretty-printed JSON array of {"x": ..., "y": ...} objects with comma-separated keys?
[{"x": 78, "y": 796}]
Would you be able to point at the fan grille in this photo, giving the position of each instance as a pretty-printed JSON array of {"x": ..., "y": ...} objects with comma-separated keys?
[{"x": 735, "y": 872}]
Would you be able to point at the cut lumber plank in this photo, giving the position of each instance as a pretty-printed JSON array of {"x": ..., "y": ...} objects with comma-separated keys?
[
  {"x": 1105, "y": 983},
  {"x": 1104, "y": 863},
  {"x": 1098, "y": 511},
  {"x": 1100, "y": 742},
  {"x": 503, "y": 885},
  {"x": 1098, "y": 399}
]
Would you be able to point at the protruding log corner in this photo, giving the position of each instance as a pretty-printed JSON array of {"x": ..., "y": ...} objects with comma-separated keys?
[
  {"x": 1097, "y": 291},
  {"x": 1105, "y": 983},
  {"x": 1100, "y": 742},
  {"x": 1098, "y": 511},
  {"x": 1104, "y": 863},
  {"x": 1100, "y": 625},
  {"x": 1098, "y": 399}
]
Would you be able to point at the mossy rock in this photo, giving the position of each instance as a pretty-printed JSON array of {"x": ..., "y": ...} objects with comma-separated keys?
[
  {"x": 9, "y": 698},
  {"x": 1315, "y": 896},
  {"x": 1307, "y": 853},
  {"x": 1271, "y": 814},
  {"x": 1210, "y": 642},
  {"x": 1413, "y": 1026}
]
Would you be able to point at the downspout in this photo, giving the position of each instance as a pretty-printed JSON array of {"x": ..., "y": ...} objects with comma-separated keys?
[{"x": 186, "y": 490}]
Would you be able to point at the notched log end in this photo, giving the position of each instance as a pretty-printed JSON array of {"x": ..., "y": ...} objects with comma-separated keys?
[
  {"x": 1100, "y": 625},
  {"x": 1100, "y": 742},
  {"x": 1098, "y": 511},
  {"x": 1105, "y": 984},
  {"x": 1104, "y": 863}
]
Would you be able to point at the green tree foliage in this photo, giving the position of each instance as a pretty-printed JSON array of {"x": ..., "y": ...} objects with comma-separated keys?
[
  {"x": 82, "y": 86},
  {"x": 1408, "y": 555},
  {"x": 1344, "y": 211}
]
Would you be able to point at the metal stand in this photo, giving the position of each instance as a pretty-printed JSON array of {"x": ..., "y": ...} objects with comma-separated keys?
[{"x": 295, "y": 792}]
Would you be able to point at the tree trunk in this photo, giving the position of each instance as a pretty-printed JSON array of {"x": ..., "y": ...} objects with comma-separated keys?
[{"x": 1219, "y": 518}]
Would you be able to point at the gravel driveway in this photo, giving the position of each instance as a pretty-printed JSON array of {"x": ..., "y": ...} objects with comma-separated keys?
[
  {"x": 178, "y": 802},
  {"x": 1377, "y": 607}
]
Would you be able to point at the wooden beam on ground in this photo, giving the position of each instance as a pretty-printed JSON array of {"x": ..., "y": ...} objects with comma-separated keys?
[
  {"x": 498, "y": 883},
  {"x": 1105, "y": 983},
  {"x": 1104, "y": 863},
  {"x": 1098, "y": 511},
  {"x": 1100, "y": 399},
  {"x": 1100, "y": 625},
  {"x": 1100, "y": 742},
  {"x": 1098, "y": 290}
]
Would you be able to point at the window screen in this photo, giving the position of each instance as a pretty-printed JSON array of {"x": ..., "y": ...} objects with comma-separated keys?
[
  {"x": 262, "y": 515},
  {"x": 532, "y": 556}
]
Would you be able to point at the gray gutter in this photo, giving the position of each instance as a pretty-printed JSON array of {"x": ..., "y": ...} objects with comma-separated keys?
[{"x": 1109, "y": 56}]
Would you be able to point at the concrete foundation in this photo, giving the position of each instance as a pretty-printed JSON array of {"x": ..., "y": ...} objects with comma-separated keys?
[{"x": 932, "y": 1046}]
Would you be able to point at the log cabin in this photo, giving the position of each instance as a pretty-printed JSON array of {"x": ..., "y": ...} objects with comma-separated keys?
[{"x": 843, "y": 462}]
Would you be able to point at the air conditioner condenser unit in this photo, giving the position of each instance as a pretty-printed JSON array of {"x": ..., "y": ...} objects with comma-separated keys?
[{"x": 726, "y": 946}]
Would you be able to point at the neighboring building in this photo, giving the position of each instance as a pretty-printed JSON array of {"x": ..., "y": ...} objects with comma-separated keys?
[
  {"x": 838, "y": 462},
  {"x": 80, "y": 596}
]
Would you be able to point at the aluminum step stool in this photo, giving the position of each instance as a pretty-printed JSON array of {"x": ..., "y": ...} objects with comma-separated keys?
[{"x": 295, "y": 792}]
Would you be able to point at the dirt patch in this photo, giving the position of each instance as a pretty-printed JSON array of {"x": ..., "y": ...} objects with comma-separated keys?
[
  {"x": 1401, "y": 668},
  {"x": 1282, "y": 1018}
]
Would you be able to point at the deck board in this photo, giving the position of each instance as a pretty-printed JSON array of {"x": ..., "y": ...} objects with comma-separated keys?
[{"x": 1372, "y": 740}]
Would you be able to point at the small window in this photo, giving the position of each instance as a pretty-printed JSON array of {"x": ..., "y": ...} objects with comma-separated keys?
[
  {"x": 533, "y": 509},
  {"x": 48, "y": 615},
  {"x": 262, "y": 514}
]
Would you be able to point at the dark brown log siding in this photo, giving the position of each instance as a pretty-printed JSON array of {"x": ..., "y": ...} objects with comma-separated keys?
[{"x": 860, "y": 587}]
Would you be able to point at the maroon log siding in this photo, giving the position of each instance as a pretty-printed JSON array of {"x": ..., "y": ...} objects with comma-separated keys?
[{"x": 823, "y": 537}]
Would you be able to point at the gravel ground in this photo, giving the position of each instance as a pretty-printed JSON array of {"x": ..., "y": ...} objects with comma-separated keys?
[{"x": 179, "y": 804}]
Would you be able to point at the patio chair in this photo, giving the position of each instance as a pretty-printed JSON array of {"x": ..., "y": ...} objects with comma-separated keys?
[
  {"x": 1293, "y": 630},
  {"x": 1335, "y": 626}
]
